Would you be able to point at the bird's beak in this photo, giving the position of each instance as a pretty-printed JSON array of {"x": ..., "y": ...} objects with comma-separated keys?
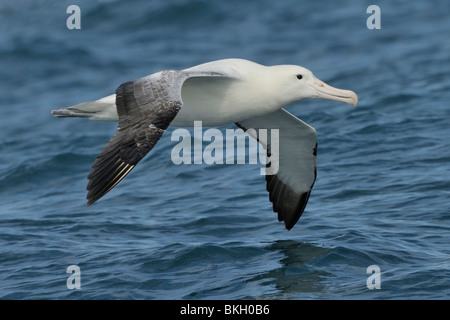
[{"x": 324, "y": 91}]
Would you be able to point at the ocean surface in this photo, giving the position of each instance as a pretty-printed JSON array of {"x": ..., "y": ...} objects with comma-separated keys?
[{"x": 382, "y": 194}]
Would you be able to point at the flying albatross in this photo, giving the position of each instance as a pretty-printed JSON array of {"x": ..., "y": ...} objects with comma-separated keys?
[{"x": 217, "y": 93}]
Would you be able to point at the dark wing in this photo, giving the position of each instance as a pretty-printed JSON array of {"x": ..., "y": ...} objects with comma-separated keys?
[
  {"x": 145, "y": 107},
  {"x": 291, "y": 173}
]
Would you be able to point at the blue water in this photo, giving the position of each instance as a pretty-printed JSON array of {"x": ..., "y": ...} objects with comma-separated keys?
[{"x": 382, "y": 195}]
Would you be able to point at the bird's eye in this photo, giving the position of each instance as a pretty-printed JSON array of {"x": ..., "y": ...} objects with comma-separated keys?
[{"x": 299, "y": 77}]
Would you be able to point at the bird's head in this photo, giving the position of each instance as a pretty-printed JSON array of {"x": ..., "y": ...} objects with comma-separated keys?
[{"x": 299, "y": 83}]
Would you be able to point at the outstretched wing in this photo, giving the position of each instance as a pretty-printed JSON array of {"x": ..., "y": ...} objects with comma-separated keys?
[
  {"x": 145, "y": 107},
  {"x": 289, "y": 188}
]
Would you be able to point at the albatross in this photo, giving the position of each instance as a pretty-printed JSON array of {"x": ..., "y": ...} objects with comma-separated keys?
[{"x": 221, "y": 92}]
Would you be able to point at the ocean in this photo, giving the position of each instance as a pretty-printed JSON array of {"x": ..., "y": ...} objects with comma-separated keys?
[{"x": 377, "y": 222}]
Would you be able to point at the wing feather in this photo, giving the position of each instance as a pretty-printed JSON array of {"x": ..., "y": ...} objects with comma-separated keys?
[
  {"x": 145, "y": 107},
  {"x": 289, "y": 189}
]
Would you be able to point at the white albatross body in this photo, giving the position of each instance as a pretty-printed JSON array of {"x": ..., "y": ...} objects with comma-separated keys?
[{"x": 217, "y": 93}]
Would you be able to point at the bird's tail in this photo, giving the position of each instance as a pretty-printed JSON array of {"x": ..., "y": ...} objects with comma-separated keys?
[{"x": 103, "y": 110}]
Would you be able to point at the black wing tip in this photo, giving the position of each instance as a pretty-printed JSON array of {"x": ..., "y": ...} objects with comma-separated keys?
[
  {"x": 287, "y": 203},
  {"x": 91, "y": 197},
  {"x": 291, "y": 217},
  {"x": 91, "y": 200},
  {"x": 95, "y": 194},
  {"x": 102, "y": 181}
]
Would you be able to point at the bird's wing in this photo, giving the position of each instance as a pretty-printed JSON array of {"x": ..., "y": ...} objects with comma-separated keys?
[
  {"x": 295, "y": 170},
  {"x": 145, "y": 107}
]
